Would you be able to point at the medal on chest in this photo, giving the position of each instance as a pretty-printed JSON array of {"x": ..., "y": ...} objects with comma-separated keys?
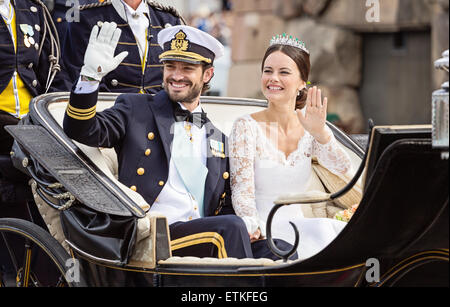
[
  {"x": 217, "y": 148},
  {"x": 28, "y": 34}
]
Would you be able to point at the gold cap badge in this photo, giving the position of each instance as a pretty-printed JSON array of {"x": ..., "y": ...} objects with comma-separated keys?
[{"x": 180, "y": 43}]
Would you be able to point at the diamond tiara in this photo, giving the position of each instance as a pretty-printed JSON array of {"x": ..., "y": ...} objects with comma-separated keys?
[{"x": 289, "y": 41}]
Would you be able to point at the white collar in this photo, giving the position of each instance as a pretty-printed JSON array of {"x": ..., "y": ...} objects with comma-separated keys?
[
  {"x": 120, "y": 5},
  {"x": 141, "y": 9},
  {"x": 197, "y": 109},
  {"x": 5, "y": 9},
  {"x": 5, "y": 3}
]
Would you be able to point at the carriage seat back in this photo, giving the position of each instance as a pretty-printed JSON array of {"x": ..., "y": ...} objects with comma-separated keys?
[{"x": 383, "y": 136}]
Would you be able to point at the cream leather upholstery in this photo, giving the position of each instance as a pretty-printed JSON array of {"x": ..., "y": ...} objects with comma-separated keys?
[{"x": 199, "y": 262}]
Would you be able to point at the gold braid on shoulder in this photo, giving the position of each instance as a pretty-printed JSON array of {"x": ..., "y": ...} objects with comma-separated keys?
[{"x": 93, "y": 5}]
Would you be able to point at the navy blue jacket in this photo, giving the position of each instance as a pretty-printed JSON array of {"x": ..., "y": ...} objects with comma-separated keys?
[
  {"x": 32, "y": 68},
  {"x": 137, "y": 123},
  {"x": 128, "y": 77},
  {"x": 59, "y": 15}
]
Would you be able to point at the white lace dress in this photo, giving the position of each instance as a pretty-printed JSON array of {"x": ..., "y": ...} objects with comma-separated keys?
[{"x": 260, "y": 173}]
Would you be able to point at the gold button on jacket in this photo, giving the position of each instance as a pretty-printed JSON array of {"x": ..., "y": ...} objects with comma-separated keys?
[{"x": 141, "y": 171}]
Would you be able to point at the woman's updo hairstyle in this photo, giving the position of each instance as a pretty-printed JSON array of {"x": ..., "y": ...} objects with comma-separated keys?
[{"x": 301, "y": 58}]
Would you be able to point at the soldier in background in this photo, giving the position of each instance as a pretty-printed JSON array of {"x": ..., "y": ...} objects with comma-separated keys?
[
  {"x": 140, "y": 22},
  {"x": 29, "y": 61}
]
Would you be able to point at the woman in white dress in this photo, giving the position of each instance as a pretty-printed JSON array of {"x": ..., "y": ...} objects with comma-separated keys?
[{"x": 271, "y": 151}]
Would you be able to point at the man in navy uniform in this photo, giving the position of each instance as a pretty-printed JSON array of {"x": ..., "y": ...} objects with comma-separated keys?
[
  {"x": 27, "y": 63},
  {"x": 168, "y": 150},
  {"x": 140, "y": 22}
]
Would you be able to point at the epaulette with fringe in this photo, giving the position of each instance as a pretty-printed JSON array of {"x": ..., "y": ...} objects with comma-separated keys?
[{"x": 93, "y": 5}]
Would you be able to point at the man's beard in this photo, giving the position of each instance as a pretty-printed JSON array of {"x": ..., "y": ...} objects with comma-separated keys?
[{"x": 189, "y": 97}]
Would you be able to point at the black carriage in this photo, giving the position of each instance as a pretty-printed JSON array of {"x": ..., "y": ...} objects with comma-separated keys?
[{"x": 67, "y": 221}]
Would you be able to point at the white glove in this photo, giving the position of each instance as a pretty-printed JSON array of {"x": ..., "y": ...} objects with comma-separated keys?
[{"x": 99, "y": 58}]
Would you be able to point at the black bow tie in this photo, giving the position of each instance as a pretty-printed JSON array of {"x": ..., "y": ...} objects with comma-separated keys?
[{"x": 197, "y": 118}]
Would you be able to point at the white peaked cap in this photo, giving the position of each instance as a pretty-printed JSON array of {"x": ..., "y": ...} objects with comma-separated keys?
[{"x": 189, "y": 44}]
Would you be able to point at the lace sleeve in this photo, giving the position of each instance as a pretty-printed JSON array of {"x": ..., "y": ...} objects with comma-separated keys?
[
  {"x": 242, "y": 149},
  {"x": 332, "y": 156}
]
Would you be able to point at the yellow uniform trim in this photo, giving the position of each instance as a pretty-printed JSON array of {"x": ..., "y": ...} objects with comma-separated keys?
[
  {"x": 130, "y": 64},
  {"x": 88, "y": 115},
  {"x": 153, "y": 86},
  {"x": 74, "y": 116},
  {"x": 200, "y": 238},
  {"x": 11, "y": 101},
  {"x": 82, "y": 111},
  {"x": 144, "y": 59},
  {"x": 183, "y": 54},
  {"x": 128, "y": 44},
  {"x": 81, "y": 114}
]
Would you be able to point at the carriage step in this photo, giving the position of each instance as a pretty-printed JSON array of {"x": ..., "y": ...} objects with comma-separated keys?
[{"x": 71, "y": 172}]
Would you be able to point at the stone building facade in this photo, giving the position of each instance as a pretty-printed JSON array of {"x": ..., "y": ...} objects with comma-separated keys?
[{"x": 372, "y": 58}]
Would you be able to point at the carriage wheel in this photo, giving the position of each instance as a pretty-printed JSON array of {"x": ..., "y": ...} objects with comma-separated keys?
[{"x": 31, "y": 257}]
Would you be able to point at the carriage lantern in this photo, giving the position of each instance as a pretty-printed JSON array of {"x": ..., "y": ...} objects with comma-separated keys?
[{"x": 440, "y": 111}]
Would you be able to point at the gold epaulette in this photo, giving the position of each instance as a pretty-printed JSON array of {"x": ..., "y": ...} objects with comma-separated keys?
[{"x": 93, "y": 5}]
